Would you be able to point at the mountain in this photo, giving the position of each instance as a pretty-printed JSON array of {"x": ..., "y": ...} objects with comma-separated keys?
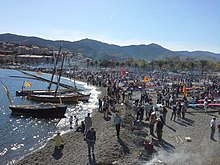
[
  {"x": 200, "y": 54},
  {"x": 98, "y": 50}
]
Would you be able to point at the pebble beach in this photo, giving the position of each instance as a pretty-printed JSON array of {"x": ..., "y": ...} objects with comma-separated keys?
[{"x": 129, "y": 148}]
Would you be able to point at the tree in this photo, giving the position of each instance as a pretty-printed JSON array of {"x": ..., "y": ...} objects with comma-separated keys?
[
  {"x": 152, "y": 64},
  {"x": 192, "y": 65},
  {"x": 203, "y": 64},
  {"x": 171, "y": 65},
  {"x": 87, "y": 62},
  {"x": 160, "y": 64},
  {"x": 96, "y": 64}
]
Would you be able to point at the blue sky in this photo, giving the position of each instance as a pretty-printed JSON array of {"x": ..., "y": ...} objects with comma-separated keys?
[{"x": 174, "y": 24}]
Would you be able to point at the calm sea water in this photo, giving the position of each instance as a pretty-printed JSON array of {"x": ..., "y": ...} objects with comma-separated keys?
[{"x": 21, "y": 135}]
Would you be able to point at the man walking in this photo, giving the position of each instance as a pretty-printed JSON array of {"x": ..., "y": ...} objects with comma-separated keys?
[
  {"x": 212, "y": 125},
  {"x": 164, "y": 112},
  {"x": 90, "y": 140},
  {"x": 159, "y": 129},
  {"x": 117, "y": 122},
  {"x": 88, "y": 123},
  {"x": 173, "y": 115}
]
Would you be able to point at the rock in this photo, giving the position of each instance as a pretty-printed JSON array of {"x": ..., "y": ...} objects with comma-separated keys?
[{"x": 188, "y": 139}]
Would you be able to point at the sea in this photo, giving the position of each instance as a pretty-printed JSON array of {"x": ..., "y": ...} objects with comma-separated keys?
[{"x": 20, "y": 135}]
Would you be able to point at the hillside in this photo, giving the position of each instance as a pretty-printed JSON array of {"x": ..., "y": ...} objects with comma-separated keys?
[{"x": 98, "y": 50}]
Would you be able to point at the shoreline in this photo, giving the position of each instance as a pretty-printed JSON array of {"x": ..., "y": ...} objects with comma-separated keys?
[{"x": 129, "y": 149}]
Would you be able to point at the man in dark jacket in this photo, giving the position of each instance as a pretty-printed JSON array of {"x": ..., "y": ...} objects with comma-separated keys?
[
  {"x": 159, "y": 129},
  {"x": 90, "y": 140}
]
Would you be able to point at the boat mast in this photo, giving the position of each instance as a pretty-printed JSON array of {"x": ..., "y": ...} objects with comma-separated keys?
[
  {"x": 60, "y": 74},
  {"x": 54, "y": 68}
]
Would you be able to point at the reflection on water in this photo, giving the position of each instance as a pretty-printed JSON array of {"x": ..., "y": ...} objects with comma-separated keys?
[{"x": 20, "y": 135}]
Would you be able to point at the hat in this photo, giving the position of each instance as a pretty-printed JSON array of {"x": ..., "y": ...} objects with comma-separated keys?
[{"x": 213, "y": 118}]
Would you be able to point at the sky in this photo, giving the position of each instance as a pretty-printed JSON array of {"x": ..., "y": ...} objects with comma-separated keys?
[{"x": 174, "y": 24}]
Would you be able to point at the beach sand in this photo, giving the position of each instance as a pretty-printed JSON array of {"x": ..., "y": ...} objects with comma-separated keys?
[{"x": 129, "y": 149}]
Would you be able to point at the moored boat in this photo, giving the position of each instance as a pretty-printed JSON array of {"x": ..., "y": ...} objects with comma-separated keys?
[
  {"x": 40, "y": 110},
  {"x": 40, "y": 92},
  {"x": 67, "y": 98},
  {"x": 64, "y": 98}
]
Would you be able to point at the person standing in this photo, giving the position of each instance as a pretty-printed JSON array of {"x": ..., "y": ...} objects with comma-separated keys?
[
  {"x": 212, "y": 125},
  {"x": 219, "y": 132},
  {"x": 88, "y": 123},
  {"x": 173, "y": 116},
  {"x": 71, "y": 122},
  {"x": 159, "y": 129},
  {"x": 134, "y": 108},
  {"x": 205, "y": 105},
  {"x": 76, "y": 120},
  {"x": 164, "y": 112},
  {"x": 153, "y": 120},
  {"x": 117, "y": 122},
  {"x": 90, "y": 140},
  {"x": 100, "y": 105},
  {"x": 58, "y": 140}
]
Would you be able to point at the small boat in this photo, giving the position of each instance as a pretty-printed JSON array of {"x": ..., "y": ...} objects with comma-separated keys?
[
  {"x": 40, "y": 92},
  {"x": 84, "y": 97},
  {"x": 65, "y": 98},
  {"x": 40, "y": 110},
  {"x": 36, "y": 110}
]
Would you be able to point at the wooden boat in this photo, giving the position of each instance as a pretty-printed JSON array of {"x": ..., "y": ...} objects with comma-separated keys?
[
  {"x": 65, "y": 98},
  {"x": 40, "y": 110},
  {"x": 84, "y": 97},
  {"x": 40, "y": 92}
]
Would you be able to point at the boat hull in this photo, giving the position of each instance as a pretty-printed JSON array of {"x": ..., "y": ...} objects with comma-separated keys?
[
  {"x": 40, "y": 92},
  {"x": 68, "y": 98},
  {"x": 40, "y": 110},
  {"x": 54, "y": 99}
]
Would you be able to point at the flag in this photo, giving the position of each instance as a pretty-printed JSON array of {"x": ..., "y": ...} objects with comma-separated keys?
[
  {"x": 7, "y": 92},
  {"x": 146, "y": 79},
  {"x": 184, "y": 91},
  {"x": 27, "y": 84},
  {"x": 39, "y": 72},
  {"x": 122, "y": 71}
]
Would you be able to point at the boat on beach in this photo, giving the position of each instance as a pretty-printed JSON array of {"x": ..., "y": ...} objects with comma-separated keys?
[
  {"x": 64, "y": 98},
  {"x": 40, "y": 92},
  {"x": 40, "y": 110}
]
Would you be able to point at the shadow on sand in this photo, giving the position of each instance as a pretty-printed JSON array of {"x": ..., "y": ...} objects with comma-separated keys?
[
  {"x": 125, "y": 148},
  {"x": 107, "y": 118},
  {"x": 58, "y": 152},
  {"x": 92, "y": 160},
  {"x": 166, "y": 146},
  {"x": 174, "y": 130}
]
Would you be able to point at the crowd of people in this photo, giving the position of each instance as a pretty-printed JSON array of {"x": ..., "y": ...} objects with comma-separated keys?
[{"x": 152, "y": 106}]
